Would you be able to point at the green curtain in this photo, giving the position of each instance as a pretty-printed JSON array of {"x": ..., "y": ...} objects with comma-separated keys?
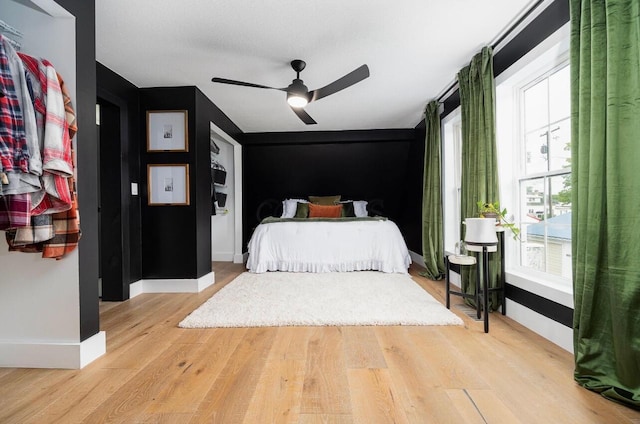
[
  {"x": 479, "y": 180},
  {"x": 432, "y": 239},
  {"x": 605, "y": 155}
]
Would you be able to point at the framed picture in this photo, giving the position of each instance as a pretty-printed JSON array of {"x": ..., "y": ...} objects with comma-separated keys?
[
  {"x": 168, "y": 184},
  {"x": 167, "y": 131}
]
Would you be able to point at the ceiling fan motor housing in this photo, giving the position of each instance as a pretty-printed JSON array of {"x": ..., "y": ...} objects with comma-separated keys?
[{"x": 298, "y": 89}]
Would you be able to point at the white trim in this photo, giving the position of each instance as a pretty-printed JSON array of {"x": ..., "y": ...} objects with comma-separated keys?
[
  {"x": 21, "y": 354},
  {"x": 222, "y": 257},
  {"x": 171, "y": 285},
  {"x": 136, "y": 289},
  {"x": 546, "y": 327},
  {"x": 93, "y": 348},
  {"x": 556, "y": 292},
  {"x": 241, "y": 258},
  {"x": 416, "y": 258}
]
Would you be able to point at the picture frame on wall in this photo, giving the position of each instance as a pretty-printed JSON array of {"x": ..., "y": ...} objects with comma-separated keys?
[
  {"x": 168, "y": 184},
  {"x": 167, "y": 131}
]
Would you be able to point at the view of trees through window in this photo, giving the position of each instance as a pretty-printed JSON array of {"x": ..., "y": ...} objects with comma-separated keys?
[{"x": 545, "y": 182}]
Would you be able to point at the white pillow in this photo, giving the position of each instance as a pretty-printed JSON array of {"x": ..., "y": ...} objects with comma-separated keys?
[
  {"x": 360, "y": 208},
  {"x": 289, "y": 207}
]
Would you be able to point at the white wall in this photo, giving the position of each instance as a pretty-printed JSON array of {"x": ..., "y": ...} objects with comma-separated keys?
[
  {"x": 223, "y": 223},
  {"x": 39, "y": 298},
  {"x": 226, "y": 230}
]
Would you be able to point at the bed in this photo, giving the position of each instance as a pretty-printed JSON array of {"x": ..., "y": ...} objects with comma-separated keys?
[{"x": 328, "y": 245}]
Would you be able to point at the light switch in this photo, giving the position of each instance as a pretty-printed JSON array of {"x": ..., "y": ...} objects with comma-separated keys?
[{"x": 134, "y": 189}]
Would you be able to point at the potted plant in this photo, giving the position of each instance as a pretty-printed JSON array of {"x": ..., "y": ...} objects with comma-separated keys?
[{"x": 492, "y": 210}]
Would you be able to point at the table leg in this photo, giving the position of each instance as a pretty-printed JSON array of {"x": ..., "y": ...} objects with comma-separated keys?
[
  {"x": 477, "y": 290},
  {"x": 446, "y": 281},
  {"x": 485, "y": 264}
]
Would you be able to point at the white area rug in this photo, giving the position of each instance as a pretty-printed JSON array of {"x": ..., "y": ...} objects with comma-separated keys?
[{"x": 275, "y": 299}]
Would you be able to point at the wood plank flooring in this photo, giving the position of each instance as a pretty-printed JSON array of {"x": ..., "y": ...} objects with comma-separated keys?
[{"x": 155, "y": 372}]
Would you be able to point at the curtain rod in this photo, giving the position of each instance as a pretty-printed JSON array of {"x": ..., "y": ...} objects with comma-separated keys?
[{"x": 447, "y": 92}]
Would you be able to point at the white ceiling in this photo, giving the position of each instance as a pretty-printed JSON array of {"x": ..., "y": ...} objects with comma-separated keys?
[{"x": 413, "y": 48}]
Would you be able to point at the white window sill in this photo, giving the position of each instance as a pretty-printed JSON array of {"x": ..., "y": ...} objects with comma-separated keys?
[{"x": 554, "y": 291}]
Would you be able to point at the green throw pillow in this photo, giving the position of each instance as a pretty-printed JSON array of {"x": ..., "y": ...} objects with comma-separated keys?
[
  {"x": 302, "y": 210},
  {"x": 347, "y": 210}
]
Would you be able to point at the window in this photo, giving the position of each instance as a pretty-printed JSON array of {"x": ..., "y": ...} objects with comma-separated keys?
[
  {"x": 544, "y": 180},
  {"x": 452, "y": 158}
]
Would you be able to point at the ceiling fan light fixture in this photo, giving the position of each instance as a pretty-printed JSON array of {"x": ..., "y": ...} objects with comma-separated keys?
[
  {"x": 297, "y": 94},
  {"x": 297, "y": 100}
]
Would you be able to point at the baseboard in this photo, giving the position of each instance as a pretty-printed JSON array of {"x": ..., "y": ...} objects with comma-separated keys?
[
  {"x": 171, "y": 285},
  {"x": 52, "y": 355},
  {"x": 240, "y": 258},
  {"x": 136, "y": 289},
  {"x": 546, "y": 327},
  {"x": 222, "y": 257},
  {"x": 416, "y": 258}
]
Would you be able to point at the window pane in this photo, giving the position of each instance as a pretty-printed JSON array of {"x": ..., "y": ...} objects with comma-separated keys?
[
  {"x": 532, "y": 201},
  {"x": 536, "y": 109},
  {"x": 559, "y": 227},
  {"x": 560, "y": 145},
  {"x": 559, "y": 95},
  {"x": 536, "y": 157},
  {"x": 560, "y": 195},
  {"x": 532, "y": 209},
  {"x": 546, "y": 224}
]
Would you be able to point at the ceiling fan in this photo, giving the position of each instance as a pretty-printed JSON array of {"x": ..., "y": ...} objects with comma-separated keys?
[{"x": 298, "y": 95}]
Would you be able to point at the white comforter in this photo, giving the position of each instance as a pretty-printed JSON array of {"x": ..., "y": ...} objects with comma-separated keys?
[{"x": 323, "y": 246}]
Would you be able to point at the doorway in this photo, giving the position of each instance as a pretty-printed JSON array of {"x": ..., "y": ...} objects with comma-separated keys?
[
  {"x": 110, "y": 222},
  {"x": 226, "y": 223}
]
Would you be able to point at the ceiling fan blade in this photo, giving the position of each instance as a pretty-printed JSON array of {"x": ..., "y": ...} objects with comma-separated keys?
[
  {"x": 244, "y": 84},
  {"x": 303, "y": 115},
  {"x": 348, "y": 80}
]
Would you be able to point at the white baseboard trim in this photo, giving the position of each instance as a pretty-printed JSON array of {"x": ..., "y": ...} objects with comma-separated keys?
[
  {"x": 136, "y": 289},
  {"x": 171, "y": 285},
  {"x": 546, "y": 327},
  {"x": 222, "y": 256},
  {"x": 416, "y": 258},
  {"x": 240, "y": 258},
  {"x": 24, "y": 354}
]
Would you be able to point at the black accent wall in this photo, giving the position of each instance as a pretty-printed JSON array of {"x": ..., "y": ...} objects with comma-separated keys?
[
  {"x": 155, "y": 242},
  {"x": 176, "y": 239},
  {"x": 411, "y": 218},
  {"x": 359, "y": 165},
  {"x": 169, "y": 233},
  {"x": 87, "y": 163}
]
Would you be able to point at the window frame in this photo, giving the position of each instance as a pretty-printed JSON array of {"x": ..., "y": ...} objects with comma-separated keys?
[
  {"x": 552, "y": 53},
  {"x": 521, "y": 176}
]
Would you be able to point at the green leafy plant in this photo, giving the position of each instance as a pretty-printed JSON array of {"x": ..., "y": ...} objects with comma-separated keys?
[{"x": 492, "y": 210}]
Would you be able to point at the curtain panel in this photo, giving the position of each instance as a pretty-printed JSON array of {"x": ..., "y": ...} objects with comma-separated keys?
[
  {"x": 605, "y": 112},
  {"x": 432, "y": 229},
  {"x": 479, "y": 176}
]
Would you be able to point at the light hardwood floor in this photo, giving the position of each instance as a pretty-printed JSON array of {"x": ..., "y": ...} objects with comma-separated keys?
[{"x": 155, "y": 372}]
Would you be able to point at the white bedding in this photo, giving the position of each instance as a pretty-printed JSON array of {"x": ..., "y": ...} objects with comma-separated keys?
[{"x": 327, "y": 246}]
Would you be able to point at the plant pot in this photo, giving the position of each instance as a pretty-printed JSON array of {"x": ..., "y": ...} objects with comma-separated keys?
[{"x": 480, "y": 230}]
